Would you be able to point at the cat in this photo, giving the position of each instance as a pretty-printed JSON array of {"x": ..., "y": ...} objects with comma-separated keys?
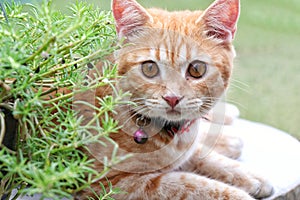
[{"x": 176, "y": 66}]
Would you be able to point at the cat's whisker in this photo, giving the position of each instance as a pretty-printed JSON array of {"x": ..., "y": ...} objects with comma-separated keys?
[
  {"x": 128, "y": 119},
  {"x": 157, "y": 107},
  {"x": 246, "y": 90},
  {"x": 211, "y": 98},
  {"x": 126, "y": 113},
  {"x": 155, "y": 104},
  {"x": 236, "y": 103},
  {"x": 140, "y": 108},
  {"x": 195, "y": 101},
  {"x": 137, "y": 99},
  {"x": 227, "y": 100},
  {"x": 152, "y": 101},
  {"x": 130, "y": 108},
  {"x": 233, "y": 80},
  {"x": 136, "y": 113},
  {"x": 195, "y": 113},
  {"x": 240, "y": 85},
  {"x": 126, "y": 108}
]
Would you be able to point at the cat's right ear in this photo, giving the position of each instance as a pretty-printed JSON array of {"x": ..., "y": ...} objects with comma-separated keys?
[{"x": 130, "y": 17}]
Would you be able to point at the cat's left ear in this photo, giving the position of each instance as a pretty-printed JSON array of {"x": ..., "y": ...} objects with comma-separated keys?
[
  {"x": 220, "y": 19},
  {"x": 130, "y": 17}
]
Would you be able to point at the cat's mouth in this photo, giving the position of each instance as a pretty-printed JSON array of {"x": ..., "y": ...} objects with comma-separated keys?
[
  {"x": 173, "y": 112},
  {"x": 170, "y": 127}
]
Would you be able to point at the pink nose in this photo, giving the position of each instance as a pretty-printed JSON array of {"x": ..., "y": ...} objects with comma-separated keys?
[{"x": 172, "y": 100}]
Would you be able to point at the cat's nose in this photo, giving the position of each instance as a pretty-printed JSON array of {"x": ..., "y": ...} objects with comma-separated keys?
[{"x": 172, "y": 100}]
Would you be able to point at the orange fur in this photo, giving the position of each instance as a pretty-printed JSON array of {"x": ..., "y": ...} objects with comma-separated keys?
[{"x": 169, "y": 167}]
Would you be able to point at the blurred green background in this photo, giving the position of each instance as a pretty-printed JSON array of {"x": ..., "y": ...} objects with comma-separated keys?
[{"x": 266, "y": 80}]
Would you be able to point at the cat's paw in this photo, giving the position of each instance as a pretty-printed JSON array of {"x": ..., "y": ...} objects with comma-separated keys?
[
  {"x": 257, "y": 186},
  {"x": 230, "y": 146},
  {"x": 232, "y": 172},
  {"x": 265, "y": 189}
]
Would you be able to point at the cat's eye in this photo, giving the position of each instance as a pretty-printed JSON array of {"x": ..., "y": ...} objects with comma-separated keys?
[
  {"x": 150, "y": 69},
  {"x": 197, "y": 69}
]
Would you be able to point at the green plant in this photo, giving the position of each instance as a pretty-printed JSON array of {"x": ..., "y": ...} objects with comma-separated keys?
[{"x": 41, "y": 52}]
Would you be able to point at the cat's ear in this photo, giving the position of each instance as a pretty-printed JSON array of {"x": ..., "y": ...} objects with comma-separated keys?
[
  {"x": 220, "y": 19},
  {"x": 130, "y": 17}
]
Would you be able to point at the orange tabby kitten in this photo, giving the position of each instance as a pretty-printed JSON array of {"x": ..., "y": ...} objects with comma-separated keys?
[{"x": 176, "y": 65}]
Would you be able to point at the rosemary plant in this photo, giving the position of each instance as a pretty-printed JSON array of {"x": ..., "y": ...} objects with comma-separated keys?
[{"x": 41, "y": 52}]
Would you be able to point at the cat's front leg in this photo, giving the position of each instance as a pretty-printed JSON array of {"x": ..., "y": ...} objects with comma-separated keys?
[
  {"x": 167, "y": 186},
  {"x": 229, "y": 171},
  {"x": 175, "y": 186}
]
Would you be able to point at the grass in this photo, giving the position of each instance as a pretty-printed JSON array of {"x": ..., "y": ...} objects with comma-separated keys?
[{"x": 267, "y": 75}]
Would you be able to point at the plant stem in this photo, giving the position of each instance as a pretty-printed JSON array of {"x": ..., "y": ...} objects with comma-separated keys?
[
  {"x": 39, "y": 51},
  {"x": 86, "y": 58},
  {"x": 2, "y": 127}
]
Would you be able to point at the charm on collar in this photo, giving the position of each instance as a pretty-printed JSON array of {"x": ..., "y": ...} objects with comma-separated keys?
[{"x": 140, "y": 136}]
